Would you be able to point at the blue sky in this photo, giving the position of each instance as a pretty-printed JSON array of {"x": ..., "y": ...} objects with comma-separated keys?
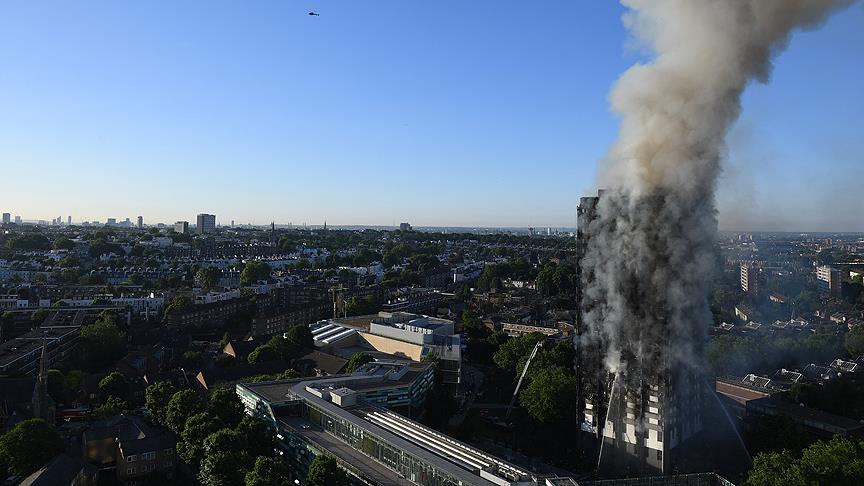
[{"x": 482, "y": 113}]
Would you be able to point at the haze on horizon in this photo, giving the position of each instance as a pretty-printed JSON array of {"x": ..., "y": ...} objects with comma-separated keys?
[{"x": 387, "y": 113}]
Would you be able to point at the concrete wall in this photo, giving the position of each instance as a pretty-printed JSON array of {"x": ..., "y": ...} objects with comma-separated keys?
[{"x": 392, "y": 346}]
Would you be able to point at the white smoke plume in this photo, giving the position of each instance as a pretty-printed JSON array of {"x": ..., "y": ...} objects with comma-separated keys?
[{"x": 650, "y": 255}]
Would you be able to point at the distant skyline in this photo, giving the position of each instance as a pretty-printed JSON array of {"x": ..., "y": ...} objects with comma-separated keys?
[{"x": 485, "y": 114}]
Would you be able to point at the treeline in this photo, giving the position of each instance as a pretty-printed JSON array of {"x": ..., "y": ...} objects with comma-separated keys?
[
  {"x": 216, "y": 438},
  {"x": 739, "y": 355}
]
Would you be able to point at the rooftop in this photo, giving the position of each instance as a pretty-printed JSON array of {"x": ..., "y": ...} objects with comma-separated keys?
[
  {"x": 31, "y": 342},
  {"x": 427, "y": 445},
  {"x": 806, "y": 415}
]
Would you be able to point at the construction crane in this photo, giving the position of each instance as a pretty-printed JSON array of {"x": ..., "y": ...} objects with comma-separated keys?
[{"x": 521, "y": 377}]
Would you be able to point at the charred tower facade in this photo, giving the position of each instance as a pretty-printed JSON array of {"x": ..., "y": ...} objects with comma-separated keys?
[{"x": 641, "y": 392}]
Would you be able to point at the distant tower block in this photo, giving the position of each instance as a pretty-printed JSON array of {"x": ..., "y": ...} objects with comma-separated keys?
[{"x": 206, "y": 223}]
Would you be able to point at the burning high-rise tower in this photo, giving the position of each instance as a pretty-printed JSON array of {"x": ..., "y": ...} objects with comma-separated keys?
[
  {"x": 642, "y": 393},
  {"x": 646, "y": 244}
]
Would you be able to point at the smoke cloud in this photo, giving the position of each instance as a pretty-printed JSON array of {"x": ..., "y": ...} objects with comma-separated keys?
[{"x": 650, "y": 255}]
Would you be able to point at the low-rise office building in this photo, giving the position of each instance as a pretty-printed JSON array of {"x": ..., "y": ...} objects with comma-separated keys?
[
  {"x": 395, "y": 334},
  {"x": 375, "y": 445}
]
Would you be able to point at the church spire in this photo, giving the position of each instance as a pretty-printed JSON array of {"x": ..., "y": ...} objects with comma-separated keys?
[{"x": 43, "y": 405}]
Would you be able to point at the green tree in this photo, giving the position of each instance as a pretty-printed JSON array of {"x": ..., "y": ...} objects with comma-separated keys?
[
  {"x": 156, "y": 399},
  {"x": 258, "y": 436},
  {"x": 562, "y": 355},
  {"x": 228, "y": 441},
  {"x": 769, "y": 468},
  {"x": 63, "y": 243},
  {"x": 284, "y": 375},
  {"x": 325, "y": 472},
  {"x": 513, "y": 350},
  {"x": 284, "y": 348},
  {"x": 473, "y": 326},
  {"x": 734, "y": 355},
  {"x": 102, "y": 342},
  {"x": 69, "y": 262},
  {"x": 56, "y": 385},
  {"x": 261, "y": 354},
  {"x": 192, "y": 359},
  {"x": 838, "y": 462},
  {"x": 184, "y": 404},
  {"x": 220, "y": 469},
  {"x": 111, "y": 406},
  {"x": 73, "y": 380},
  {"x": 268, "y": 472},
  {"x": 854, "y": 341},
  {"x": 226, "y": 405},
  {"x": 254, "y": 271},
  {"x": 804, "y": 303},
  {"x": 357, "y": 360},
  {"x": 208, "y": 277},
  {"x": 114, "y": 384},
  {"x": 300, "y": 336},
  {"x": 549, "y": 395},
  {"x": 178, "y": 304},
  {"x": 29, "y": 445},
  {"x": 198, "y": 427},
  {"x": 29, "y": 242},
  {"x": 358, "y": 306}
]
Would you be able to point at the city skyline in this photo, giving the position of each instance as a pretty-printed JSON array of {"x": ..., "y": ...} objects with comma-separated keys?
[{"x": 291, "y": 117}]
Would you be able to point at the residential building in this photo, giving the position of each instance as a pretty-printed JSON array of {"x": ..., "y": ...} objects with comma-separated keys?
[
  {"x": 64, "y": 470},
  {"x": 415, "y": 299},
  {"x": 846, "y": 366},
  {"x": 206, "y": 223},
  {"x": 648, "y": 415},
  {"x": 213, "y": 314},
  {"x": 111, "y": 222},
  {"x": 829, "y": 280},
  {"x": 519, "y": 329},
  {"x": 777, "y": 298},
  {"x": 7, "y": 218},
  {"x": 140, "y": 222},
  {"x": 749, "y": 278},
  {"x": 240, "y": 348},
  {"x": 743, "y": 312},
  {"x": 134, "y": 451},
  {"x": 437, "y": 278},
  {"x": 279, "y": 321},
  {"x": 405, "y": 227},
  {"x": 181, "y": 227}
]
